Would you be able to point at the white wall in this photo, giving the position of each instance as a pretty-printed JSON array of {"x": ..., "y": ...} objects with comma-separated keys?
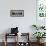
[{"x": 24, "y": 23}]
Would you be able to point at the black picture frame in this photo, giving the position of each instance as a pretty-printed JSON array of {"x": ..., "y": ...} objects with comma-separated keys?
[{"x": 17, "y": 13}]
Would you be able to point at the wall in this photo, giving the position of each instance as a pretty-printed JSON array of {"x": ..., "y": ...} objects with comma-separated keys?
[{"x": 24, "y": 23}]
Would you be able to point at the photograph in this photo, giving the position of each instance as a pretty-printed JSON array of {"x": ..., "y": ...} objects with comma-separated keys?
[{"x": 17, "y": 13}]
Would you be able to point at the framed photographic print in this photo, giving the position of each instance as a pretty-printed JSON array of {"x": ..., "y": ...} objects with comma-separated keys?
[{"x": 17, "y": 13}]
